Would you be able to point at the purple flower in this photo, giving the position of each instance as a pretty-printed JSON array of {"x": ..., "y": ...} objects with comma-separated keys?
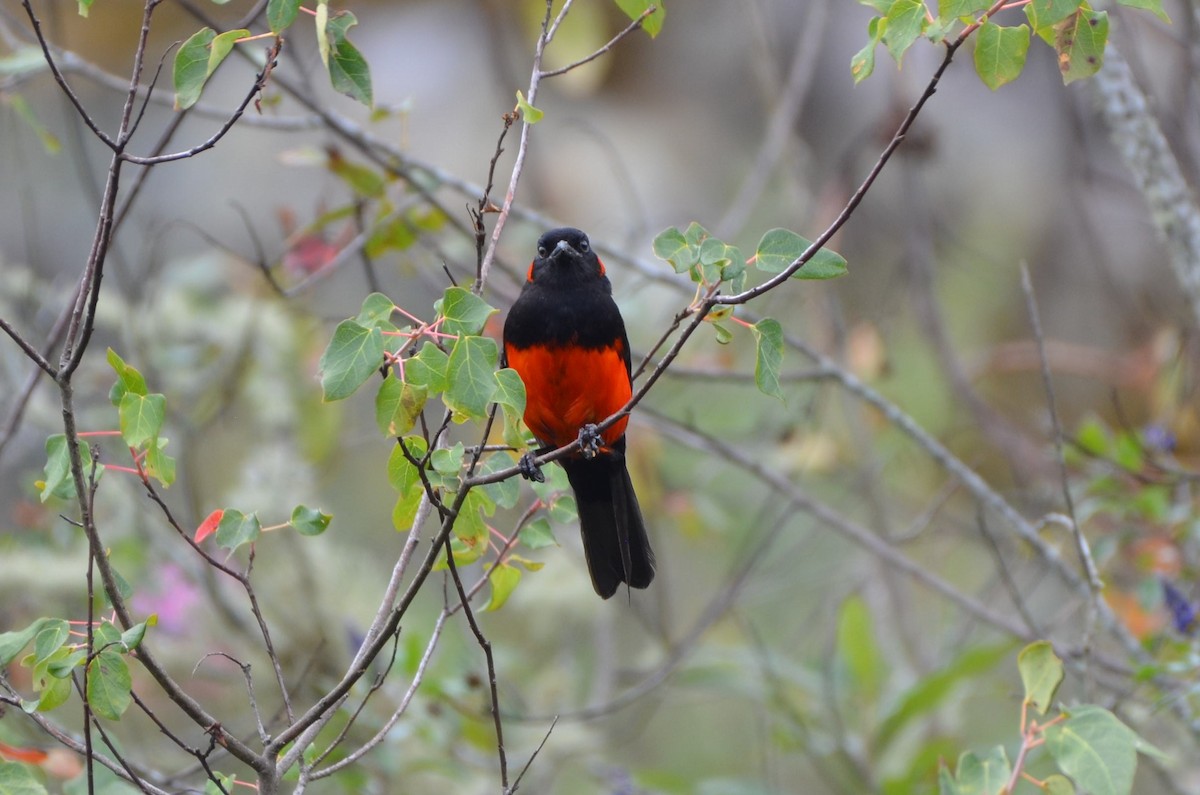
[
  {"x": 1183, "y": 611},
  {"x": 1159, "y": 437}
]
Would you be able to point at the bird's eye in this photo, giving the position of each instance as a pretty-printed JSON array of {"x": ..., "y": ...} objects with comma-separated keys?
[
  {"x": 541, "y": 251},
  {"x": 583, "y": 245}
]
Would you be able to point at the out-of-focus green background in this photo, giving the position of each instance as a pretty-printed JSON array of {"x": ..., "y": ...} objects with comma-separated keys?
[{"x": 744, "y": 682}]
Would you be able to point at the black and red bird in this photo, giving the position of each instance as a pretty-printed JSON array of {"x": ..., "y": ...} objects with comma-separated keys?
[{"x": 565, "y": 336}]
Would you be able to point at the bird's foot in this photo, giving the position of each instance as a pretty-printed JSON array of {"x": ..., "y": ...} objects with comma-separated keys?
[
  {"x": 529, "y": 468},
  {"x": 589, "y": 441}
]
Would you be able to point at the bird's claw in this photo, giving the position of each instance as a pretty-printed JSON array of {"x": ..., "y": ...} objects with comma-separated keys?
[
  {"x": 589, "y": 441},
  {"x": 529, "y": 469}
]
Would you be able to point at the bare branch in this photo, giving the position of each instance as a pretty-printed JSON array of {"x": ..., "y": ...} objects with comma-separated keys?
[
  {"x": 34, "y": 355},
  {"x": 259, "y": 82},
  {"x": 630, "y": 28},
  {"x": 61, "y": 79}
]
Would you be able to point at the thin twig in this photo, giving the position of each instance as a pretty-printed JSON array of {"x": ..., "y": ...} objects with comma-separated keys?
[
  {"x": 34, "y": 355},
  {"x": 630, "y": 28},
  {"x": 486, "y": 645},
  {"x": 520, "y": 775},
  {"x": 211, "y": 141},
  {"x": 1086, "y": 561},
  {"x": 61, "y": 79},
  {"x": 519, "y": 164}
]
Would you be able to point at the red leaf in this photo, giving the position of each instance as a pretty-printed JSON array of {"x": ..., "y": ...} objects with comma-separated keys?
[
  {"x": 31, "y": 755},
  {"x": 209, "y": 525}
]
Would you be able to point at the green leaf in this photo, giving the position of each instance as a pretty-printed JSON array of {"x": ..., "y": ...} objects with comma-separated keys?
[
  {"x": 1093, "y": 437},
  {"x": 510, "y": 395},
  {"x": 448, "y": 460},
  {"x": 354, "y": 353},
  {"x": 310, "y": 521},
  {"x": 281, "y": 14},
  {"x": 142, "y": 418},
  {"x": 128, "y": 379},
  {"x": 719, "y": 260},
  {"x": 158, "y": 464},
  {"x": 398, "y": 405},
  {"x": 863, "y": 62},
  {"x": 108, "y": 685},
  {"x": 1058, "y": 785},
  {"x": 504, "y": 493},
  {"x": 503, "y": 579},
  {"x": 58, "y": 481},
  {"x": 768, "y": 356},
  {"x": 405, "y": 510},
  {"x": 11, "y": 643},
  {"x": 470, "y": 374},
  {"x": 672, "y": 246},
  {"x": 376, "y": 312},
  {"x": 695, "y": 235},
  {"x": 1042, "y": 14},
  {"x": 953, "y": 9},
  {"x": 391, "y": 233},
  {"x": 132, "y": 637},
  {"x": 50, "y": 638},
  {"x": 221, "y": 785},
  {"x": 237, "y": 528},
  {"x": 779, "y": 248},
  {"x": 1041, "y": 674},
  {"x": 464, "y": 312},
  {"x": 906, "y": 21},
  {"x": 53, "y": 689},
  {"x": 635, "y": 8},
  {"x": 510, "y": 391},
  {"x": 363, "y": 180},
  {"x": 106, "y": 636},
  {"x": 1128, "y": 452},
  {"x": 1000, "y": 53},
  {"x": 124, "y": 589},
  {"x": 858, "y": 650},
  {"x": 1153, "y": 6},
  {"x": 1079, "y": 41},
  {"x": 984, "y": 775},
  {"x": 348, "y": 70},
  {"x": 471, "y": 525},
  {"x": 538, "y": 534},
  {"x": 465, "y": 553},
  {"x": 931, "y": 690},
  {"x": 1095, "y": 749},
  {"x": 16, "y": 778},
  {"x": 401, "y": 473},
  {"x": 937, "y": 30},
  {"x": 563, "y": 509},
  {"x": 946, "y": 783},
  {"x": 196, "y": 61},
  {"x": 529, "y": 113},
  {"x": 428, "y": 368},
  {"x": 724, "y": 335}
]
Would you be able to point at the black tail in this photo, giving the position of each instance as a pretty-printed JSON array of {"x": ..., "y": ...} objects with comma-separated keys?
[{"x": 614, "y": 535}]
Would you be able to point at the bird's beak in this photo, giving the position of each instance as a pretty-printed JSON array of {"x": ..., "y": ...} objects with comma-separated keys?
[{"x": 563, "y": 246}]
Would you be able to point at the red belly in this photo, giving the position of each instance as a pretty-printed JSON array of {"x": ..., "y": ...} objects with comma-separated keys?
[{"x": 568, "y": 387}]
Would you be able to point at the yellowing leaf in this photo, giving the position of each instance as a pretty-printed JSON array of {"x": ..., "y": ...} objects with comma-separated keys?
[
  {"x": 635, "y": 8},
  {"x": 503, "y": 579},
  {"x": 528, "y": 112}
]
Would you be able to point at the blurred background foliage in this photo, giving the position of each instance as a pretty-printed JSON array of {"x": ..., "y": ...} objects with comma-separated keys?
[{"x": 772, "y": 654}]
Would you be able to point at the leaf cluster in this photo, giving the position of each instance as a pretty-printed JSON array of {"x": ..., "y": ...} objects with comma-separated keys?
[
  {"x": 1076, "y": 32},
  {"x": 714, "y": 264},
  {"x": 1093, "y": 750}
]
